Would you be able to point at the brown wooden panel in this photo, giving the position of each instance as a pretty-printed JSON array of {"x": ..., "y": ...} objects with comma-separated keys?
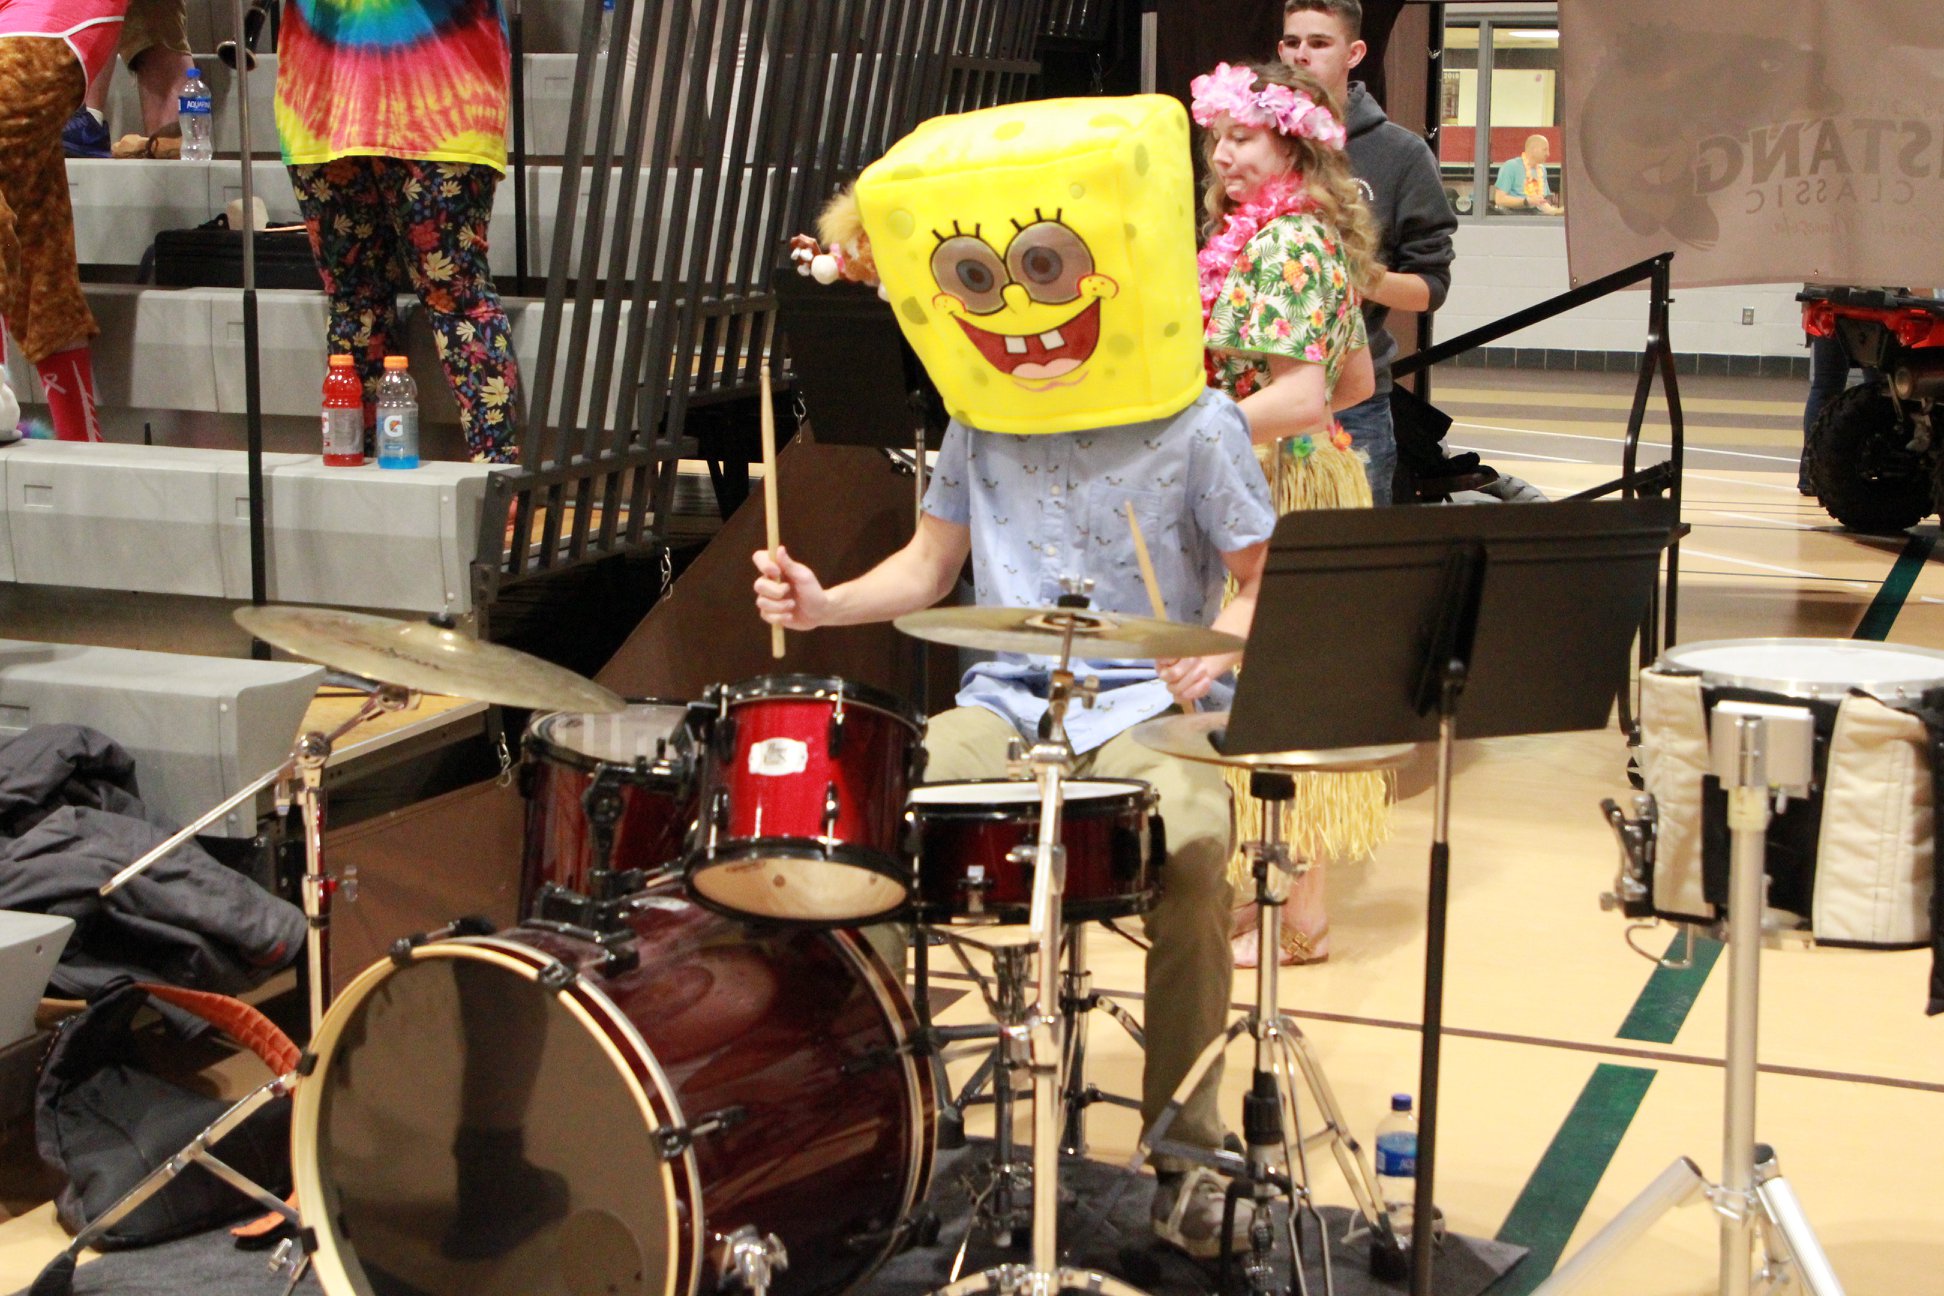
[
  {"x": 423, "y": 866},
  {"x": 843, "y": 508}
]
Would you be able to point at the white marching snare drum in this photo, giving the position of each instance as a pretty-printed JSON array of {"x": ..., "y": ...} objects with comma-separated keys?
[{"x": 1854, "y": 859}]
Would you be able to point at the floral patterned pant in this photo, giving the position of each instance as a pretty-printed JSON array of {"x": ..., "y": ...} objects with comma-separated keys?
[{"x": 376, "y": 223}]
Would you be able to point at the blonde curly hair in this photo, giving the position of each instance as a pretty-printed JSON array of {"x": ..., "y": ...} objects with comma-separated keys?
[{"x": 1326, "y": 175}]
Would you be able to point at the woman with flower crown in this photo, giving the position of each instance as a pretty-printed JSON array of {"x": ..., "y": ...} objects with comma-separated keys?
[{"x": 1289, "y": 241}]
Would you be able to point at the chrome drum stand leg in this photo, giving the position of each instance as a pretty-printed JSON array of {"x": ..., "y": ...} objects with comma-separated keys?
[
  {"x": 1077, "y": 1003},
  {"x": 1756, "y": 750},
  {"x": 1275, "y": 1163}
]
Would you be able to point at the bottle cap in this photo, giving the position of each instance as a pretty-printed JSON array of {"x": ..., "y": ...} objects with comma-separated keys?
[
  {"x": 1400, "y": 1102},
  {"x": 397, "y": 362},
  {"x": 340, "y": 362}
]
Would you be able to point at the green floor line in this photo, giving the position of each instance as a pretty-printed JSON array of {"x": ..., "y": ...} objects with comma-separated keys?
[
  {"x": 1664, "y": 1002},
  {"x": 1883, "y": 609},
  {"x": 1555, "y": 1197}
]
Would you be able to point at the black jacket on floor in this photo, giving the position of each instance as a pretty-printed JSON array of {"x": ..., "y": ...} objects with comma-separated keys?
[{"x": 71, "y": 817}]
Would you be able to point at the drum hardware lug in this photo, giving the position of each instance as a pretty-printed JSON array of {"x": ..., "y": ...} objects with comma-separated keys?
[
  {"x": 834, "y": 732},
  {"x": 1632, "y": 892},
  {"x": 675, "y": 1141},
  {"x": 1157, "y": 843},
  {"x": 404, "y": 948},
  {"x": 556, "y": 976},
  {"x": 832, "y": 806},
  {"x": 915, "y": 767},
  {"x": 722, "y": 734},
  {"x": 974, "y": 889},
  {"x": 752, "y": 1260}
]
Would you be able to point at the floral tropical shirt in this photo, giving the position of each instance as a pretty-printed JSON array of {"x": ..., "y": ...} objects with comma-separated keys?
[{"x": 1288, "y": 295}]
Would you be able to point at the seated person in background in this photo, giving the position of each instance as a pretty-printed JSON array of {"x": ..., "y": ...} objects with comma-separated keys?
[
  {"x": 1521, "y": 183},
  {"x": 155, "y": 46}
]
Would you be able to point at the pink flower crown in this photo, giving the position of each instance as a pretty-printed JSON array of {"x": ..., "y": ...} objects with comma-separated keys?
[{"x": 1232, "y": 90}]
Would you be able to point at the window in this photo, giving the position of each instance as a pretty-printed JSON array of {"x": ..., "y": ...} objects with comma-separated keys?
[{"x": 1501, "y": 112}]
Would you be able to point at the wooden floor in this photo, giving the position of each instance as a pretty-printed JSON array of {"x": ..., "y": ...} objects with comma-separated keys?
[{"x": 1573, "y": 1071}]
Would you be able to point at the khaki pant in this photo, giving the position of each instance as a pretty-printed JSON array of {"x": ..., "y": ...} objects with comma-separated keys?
[
  {"x": 40, "y": 285},
  {"x": 1189, "y": 975}
]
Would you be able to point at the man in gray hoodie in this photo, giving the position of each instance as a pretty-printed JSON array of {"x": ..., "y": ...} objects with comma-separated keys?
[{"x": 1400, "y": 181}]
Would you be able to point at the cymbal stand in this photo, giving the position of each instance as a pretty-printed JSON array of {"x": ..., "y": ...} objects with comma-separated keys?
[
  {"x": 307, "y": 760},
  {"x": 1033, "y": 1039},
  {"x": 1755, "y": 749},
  {"x": 1275, "y": 1161}
]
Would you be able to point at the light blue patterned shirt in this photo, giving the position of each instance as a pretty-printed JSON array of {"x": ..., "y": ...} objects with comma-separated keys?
[{"x": 1051, "y": 505}]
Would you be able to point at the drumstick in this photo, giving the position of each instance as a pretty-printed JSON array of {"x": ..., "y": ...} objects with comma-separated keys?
[
  {"x": 1147, "y": 572},
  {"x": 769, "y": 491},
  {"x": 1147, "y": 566}
]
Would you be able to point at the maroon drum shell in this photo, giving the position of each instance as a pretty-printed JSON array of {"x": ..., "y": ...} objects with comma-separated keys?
[
  {"x": 789, "y": 723},
  {"x": 1112, "y": 849},
  {"x": 806, "y": 1032},
  {"x": 657, "y": 807}
]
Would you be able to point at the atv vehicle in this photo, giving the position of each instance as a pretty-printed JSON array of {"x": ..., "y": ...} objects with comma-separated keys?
[{"x": 1875, "y": 456}]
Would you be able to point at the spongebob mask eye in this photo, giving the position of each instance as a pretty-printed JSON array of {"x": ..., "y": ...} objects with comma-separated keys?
[
  {"x": 1049, "y": 260},
  {"x": 971, "y": 271}
]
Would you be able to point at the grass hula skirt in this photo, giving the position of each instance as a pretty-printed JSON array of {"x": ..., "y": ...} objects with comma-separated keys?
[{"x": 1332, "y": 816}]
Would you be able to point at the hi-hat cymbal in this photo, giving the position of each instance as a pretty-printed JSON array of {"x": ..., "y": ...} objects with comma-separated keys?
[
  {"x": 419, "y": 655},
  {"x": 1199, "y": 737},
  {"x": 1041, "y": 630}
]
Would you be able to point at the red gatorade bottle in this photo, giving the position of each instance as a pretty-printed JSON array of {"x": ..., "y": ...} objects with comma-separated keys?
[{"x": 343, "y": 414}]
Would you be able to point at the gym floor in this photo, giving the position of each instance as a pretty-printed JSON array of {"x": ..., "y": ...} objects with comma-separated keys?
[{"x": 1574, "y": 1071}]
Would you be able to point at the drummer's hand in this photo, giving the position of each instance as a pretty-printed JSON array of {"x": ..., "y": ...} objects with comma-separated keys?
[
  {"x": 787, "y": 592},
  {"x": 1189, "y": 678}
]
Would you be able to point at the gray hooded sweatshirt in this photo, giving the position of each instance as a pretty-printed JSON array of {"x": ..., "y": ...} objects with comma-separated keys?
[{"x": 1400, "y": 181}]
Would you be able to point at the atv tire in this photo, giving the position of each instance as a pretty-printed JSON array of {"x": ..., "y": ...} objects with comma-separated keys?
[{"x": 1862, "y": 468}]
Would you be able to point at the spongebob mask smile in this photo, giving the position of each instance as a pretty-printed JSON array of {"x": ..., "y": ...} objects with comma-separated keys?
[{"x": 1058, "y": 238}]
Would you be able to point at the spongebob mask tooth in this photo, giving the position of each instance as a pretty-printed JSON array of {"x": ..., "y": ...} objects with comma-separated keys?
[{"x": 1055, "y": 243}]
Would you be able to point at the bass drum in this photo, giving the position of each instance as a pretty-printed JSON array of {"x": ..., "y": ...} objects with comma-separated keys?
[{"x": 537, "y": 1114}]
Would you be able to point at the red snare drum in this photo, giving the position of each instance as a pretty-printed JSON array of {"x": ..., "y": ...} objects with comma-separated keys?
[
  {"x": 968, "y": 832},
  {"x": 655, "y": 1095},
  {"x": 803, "y": 792},
  {"x": 653, "y": 760}
]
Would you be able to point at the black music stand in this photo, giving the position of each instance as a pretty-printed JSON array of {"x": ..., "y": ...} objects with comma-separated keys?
[
  {"x": 1526, "y": 612},
  {"x": 861, "y": 383}
]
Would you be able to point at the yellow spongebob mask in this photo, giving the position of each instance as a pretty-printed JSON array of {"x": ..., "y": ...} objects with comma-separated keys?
[{"x": 1041, "y": 260}]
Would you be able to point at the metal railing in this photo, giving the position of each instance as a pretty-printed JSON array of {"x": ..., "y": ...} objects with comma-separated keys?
[
  {"x": 711, "y": 131},
  {"x": 1663, "y": 478}
]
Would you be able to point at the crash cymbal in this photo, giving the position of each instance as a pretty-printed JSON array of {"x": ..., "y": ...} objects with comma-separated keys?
[
  {"x": 1199, "y": 737},
  {"x": 1042, "y": 630},
  {"x": 419, "y": 655}
]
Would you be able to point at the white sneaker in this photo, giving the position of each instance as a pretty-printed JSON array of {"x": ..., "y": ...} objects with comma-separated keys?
[{"x": 1187, "y": 1213}]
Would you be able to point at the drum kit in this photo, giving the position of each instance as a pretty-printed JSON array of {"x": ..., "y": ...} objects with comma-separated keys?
[{"x": 685, "y": 1069}]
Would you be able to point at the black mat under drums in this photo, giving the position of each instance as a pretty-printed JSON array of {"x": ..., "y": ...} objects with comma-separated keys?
[{"x": 1105, "y": 1227}]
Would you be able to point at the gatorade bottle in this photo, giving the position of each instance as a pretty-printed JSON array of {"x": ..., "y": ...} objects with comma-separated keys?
[
  {"x": 343, "y": 414},
  {"x": 398, "y": 416}
]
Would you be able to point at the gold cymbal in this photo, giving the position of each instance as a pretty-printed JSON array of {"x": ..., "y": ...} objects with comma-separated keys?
[
  {"x": 1198, "y": 737},
  {"x": 1041, "y": 630},
  {"x": 419, "y": 655}
]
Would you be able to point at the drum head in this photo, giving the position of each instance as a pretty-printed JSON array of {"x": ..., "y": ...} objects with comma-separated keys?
[
  {"x": 618, "y": 739},
  {"x": 467, "y": 1131},
  {"x": 1808, "y": 668},
  {"x": 782, "y": 882}
]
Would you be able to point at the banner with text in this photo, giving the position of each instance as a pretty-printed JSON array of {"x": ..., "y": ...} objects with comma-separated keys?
[{"x": 1761, "y": 141}]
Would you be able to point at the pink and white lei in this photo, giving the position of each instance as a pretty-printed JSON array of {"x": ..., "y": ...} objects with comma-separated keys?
[
  {"x": 1278, "y": 198},
  {"x": 1286, "y": 110}
]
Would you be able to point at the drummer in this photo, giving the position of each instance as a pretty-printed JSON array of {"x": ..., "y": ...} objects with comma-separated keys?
[{"x": 1030, "y": 511}]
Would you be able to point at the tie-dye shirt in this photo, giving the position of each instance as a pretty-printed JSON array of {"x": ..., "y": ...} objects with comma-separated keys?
[{"x": 426, "y": 79}]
